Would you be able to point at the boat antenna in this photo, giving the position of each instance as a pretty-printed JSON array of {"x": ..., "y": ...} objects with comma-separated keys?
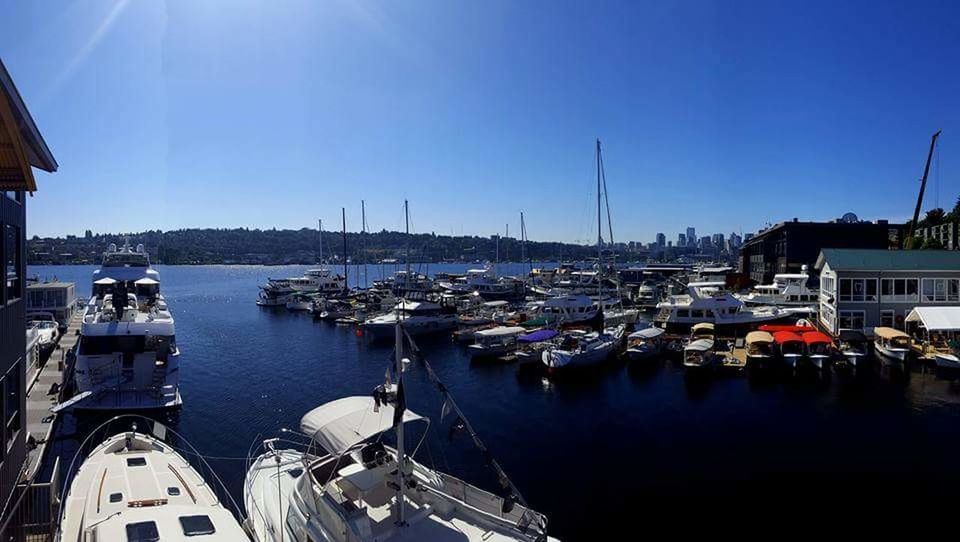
[{"x": 346, "y": 273}]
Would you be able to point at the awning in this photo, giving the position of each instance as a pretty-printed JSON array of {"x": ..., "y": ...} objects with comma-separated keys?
[
  {"x": 538, "y": 336},
  {"x": 496, "y": 304},
  {"x": 782, "y": 337},
  {"x": 774, "y": 328},
  {"x": 700, "y": 345},
  {"x": 647, "y": 333},
  {"x": 339, "y": 425},
  {"x": 500, "y": 331},
  {"x": 146, "y": 281},
  {"x": 889, "y": 333},
  {"x": 815, "y": 337},
  {"x": 936, "y": 318},
  {"x": 105, "y": 281},
  {"x": 759, "y": 337}
]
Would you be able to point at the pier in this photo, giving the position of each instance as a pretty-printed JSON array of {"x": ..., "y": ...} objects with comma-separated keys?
[{"x": 43, "y": 386}]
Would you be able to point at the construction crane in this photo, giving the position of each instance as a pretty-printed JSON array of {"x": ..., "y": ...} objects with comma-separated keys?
[{"x": 923, "y": 185}]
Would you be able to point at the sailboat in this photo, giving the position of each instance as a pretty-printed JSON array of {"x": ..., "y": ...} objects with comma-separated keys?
[
  {"x": 343, "y": 482},
  {"x": 578, "y": 348}
]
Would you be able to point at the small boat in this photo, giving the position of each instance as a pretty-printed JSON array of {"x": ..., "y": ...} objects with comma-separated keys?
[
  {"x": 136, "y": 487},
  {"x": 853, "y": 347},
  {"x": 337, "y": 309},
  {"x": 579, "y": 348},
  {"x": 299, "y": 303},
  {"x": 494, "y": 342},
  {"x": 416, "y": 318},
  {"x": 819, "y": 348},
  {"x": 760, "y": 351},
  {"x": 698, "y": 353},
  {"x": 892, "y": 346},
  {"x": 790, "y": 346},
  {"x": 645, "y": 344},
  {"x": 530, "y": 347},
  {"x": 787, "y": 290}
]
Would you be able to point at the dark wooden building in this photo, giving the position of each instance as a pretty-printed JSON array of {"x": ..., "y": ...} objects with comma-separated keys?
[
  {"x": 787, "y": 246},
  {"x": 21, "y": 149}
]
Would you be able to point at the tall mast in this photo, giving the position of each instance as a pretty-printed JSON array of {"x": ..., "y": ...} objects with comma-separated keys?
[
  {"x": 363, "y": 237},
  {"x": 398, "y": 417},
  {"x": 406, "y": 218},
  {"x": 343, "y": 211},
  {"x": 523, "y": 242},
  {"x": 496, "y": 260},
  {"x": 599, "y": 236},
  {"x": 320, "y": 231}
]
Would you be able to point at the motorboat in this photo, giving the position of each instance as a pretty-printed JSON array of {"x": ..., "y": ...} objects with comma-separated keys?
[
  {"x": 127, "y": 356},
  {"x": 853, "y": 347},
  {"x": 788, "y": 289},
  {"x": 698, "y": 352},
  {"x": 892, "y": 346},
  {"x": 819, "y": 348},
  {"x": 790, "y": 347},
  {"x": 760, "y": 349},
  {"x": 530, "y": 347},
  {"x": 47, "y": 334},
  {"x": 579, "y": 348},
  {"x": 566, "y": 310},
  {"x": 495, "y": 342},
  {"x": 299, "y": 303},
  {"x": 485, "y": 283},
  {"x": 710, "y": 302},
  {"x": 939, "y": 333},
  {"x": 334, "y": 309},
  {"x": 137, "y": 487},
  {"x": 416, "y": 317},
  {"x": 275, "y": 293},
  {"x": 645, "y": 344},
  {"x": 278, "y": 292}
]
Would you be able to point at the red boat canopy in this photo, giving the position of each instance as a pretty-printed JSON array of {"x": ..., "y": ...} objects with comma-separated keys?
[
  {"x": 814, "y": 337},
  {"x": 781, "y": 337},
  {"x": 773, "y": 328}
]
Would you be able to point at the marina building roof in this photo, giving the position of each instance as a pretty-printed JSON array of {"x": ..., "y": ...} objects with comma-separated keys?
[
  {"x": 889, "y": 260},
  {"x": 21, "y": 145}
]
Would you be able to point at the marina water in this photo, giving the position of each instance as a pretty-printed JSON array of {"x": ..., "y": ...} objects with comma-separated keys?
[{"x": 593, "y": 445}]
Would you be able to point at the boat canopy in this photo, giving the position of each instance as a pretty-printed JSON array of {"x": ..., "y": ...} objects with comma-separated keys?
[
  {"x": 700, "y": 345},
  {"x": 146, "y": 281},
  {"x": 815, "y": 337},
  {"x": 502, "y": 331},
  {"x": 851, "y": 335},
  {"x": 774, "y": 328},
  {"x": 538, "y": 336},
  {"x": 703, "y": 326},
  {"x": 105, "y": 281},
  {"x": 889, "y": 333},
  {"x": 647, "y": 333},
  {"x": 339, "y": 425},
  {"x": 935, "y": 318},
  {"x": 494, "y": 304},
  {"x": 782, "y": 337},
  {"x": 755, "y": 337}
]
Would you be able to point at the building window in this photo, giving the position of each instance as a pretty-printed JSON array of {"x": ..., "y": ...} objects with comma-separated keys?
[
  {"x": 828, "y": 284},
  {"x": 941, "y": 290},
  {"x": 887, "y": 318},
  {"x": 899, "y": 290},
  {"x": 851, "y": 319},
  {"x": 858, "y": 289},
  {"x": 11, "y": 261},
  {"x": 828, "y": 317}
]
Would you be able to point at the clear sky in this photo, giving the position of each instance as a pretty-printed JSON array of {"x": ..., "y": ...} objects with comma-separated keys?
[{"x": 268, "y": 113}]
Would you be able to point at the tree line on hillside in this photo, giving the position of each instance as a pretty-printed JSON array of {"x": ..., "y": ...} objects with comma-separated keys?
[
  {"x": 273, "y": 246},
  {"x": 935, "y": 217}
]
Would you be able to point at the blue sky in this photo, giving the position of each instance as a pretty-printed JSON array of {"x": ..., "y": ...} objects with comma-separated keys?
[{"x": 257, "y": 113}]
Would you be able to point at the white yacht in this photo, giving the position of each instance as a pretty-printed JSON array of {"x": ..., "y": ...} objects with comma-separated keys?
[
  {"x": 275, "y": 293},
  {"x": 496, "y": 341},
  {"x": 892, "y": 346},
  {"x": 485, "y": 283},
  {"x": 299, "y": 303},
  {"x": 135, "y": 487},
  {"x": 564, "y": 310},
  {"x": 416, "y": 317},
  {"x": 645, "y": 344},
  {"x": 347, "y": 484},
  {"x": 278, "y": 292},
  {"x": 788, "y": 289},
  {"x": 127, "y": 357},
  {"x": 579, "y": 348},
  {"x": 710, "y": 302},
  {"x": 47, "y": 334}
]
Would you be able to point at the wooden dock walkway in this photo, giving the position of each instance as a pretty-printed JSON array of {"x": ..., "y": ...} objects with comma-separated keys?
[{"x": 40, "y": 382}]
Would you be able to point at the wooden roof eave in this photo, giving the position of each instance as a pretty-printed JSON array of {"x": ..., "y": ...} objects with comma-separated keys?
[{"x": 15, "y": 170}]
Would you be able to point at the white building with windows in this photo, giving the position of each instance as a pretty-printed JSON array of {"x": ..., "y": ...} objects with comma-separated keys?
[{"x": 864, "y": 288}]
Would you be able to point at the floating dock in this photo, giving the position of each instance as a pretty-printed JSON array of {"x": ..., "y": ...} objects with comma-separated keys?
[{"x": 43, "y": 385}]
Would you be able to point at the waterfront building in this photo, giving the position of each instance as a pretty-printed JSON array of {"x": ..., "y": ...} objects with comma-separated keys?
[
  {"x": 56, "y": 297},
  {"x": 865, "y": 288},
  {"x": 788, "y": 246},
  {"x": 21, "y": 149}
]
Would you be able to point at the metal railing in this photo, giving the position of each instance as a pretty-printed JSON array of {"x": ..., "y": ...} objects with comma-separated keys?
[{"x": 35, "y": 511}]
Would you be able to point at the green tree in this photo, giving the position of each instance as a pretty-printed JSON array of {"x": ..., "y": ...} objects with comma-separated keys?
[{"x": 931, "y": 243}]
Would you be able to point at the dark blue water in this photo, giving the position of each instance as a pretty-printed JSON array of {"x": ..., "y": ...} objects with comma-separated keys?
[{"x": 617, "y": 443}]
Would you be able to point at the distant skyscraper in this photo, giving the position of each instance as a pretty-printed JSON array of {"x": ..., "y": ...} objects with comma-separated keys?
[
  {"x": 691, "y": 235},
  {"x": 661, "y": 240},
  {"x": 682, "y": 240},
  {"x": 705, "y": 243},
  {"x": 718, "y": 241}
]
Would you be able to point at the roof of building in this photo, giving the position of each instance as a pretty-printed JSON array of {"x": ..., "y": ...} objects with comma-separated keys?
[
  {"x": 52, "y": 284},
  {"x": 856, "y": 259},
  {"x": 862, "y": 225},
  {"x": 37, "y": 151}
]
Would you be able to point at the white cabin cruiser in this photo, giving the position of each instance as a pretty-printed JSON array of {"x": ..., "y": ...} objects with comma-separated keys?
[
  {"x": 892, "y": 346},
  {"x": 581, "y": 349},
  {"x": 47, "y": 333},
  {"x": 135, "y": 487},
  {"x": 485, "y": 283},
  {"x": 710, "y": 302},
  {"x": 645, "y": 344},
  {"x": 417, "y": 318},
  {"x": 278, "y": 292},
  {"x": 299, "y": 303},
  {"x": 788, "y": 289},
  {"x": 127, "y": 357},
  {"x": 496, "y": 341}
]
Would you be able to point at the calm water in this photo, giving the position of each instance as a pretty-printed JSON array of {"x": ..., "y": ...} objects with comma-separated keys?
[{"x": 617, "y": 444}]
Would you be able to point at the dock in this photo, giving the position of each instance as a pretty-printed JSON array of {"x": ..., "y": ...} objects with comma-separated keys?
[{"x": 40, "y": 382}]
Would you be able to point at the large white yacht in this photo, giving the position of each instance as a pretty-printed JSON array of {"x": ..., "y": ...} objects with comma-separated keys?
[
  {"x": 346, "y": 483},
  {"x": 788, "y": 289},
  {"x": 417, "y": 318},
  {"x": 709, "y": 302},
  {"x": 485, "y": 283},
  {"x": 135, "y": 487},
  {"x": 127, "y": 356}
]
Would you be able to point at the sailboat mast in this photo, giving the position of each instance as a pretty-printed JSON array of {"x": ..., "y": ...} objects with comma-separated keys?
[
  {"x": 599, "y": 236},
  {"x": 343, "y": 211},
  {"x": 398, "y": 361},
  {"x": 363, "y": 236},
  {"x": 523, "y": 242},
  {"x": 320, "y": 231},
  {"x": 406, "y": 218}
]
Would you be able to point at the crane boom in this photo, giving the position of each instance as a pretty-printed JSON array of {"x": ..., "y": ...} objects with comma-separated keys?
[{"x": 923, "y": 186}]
